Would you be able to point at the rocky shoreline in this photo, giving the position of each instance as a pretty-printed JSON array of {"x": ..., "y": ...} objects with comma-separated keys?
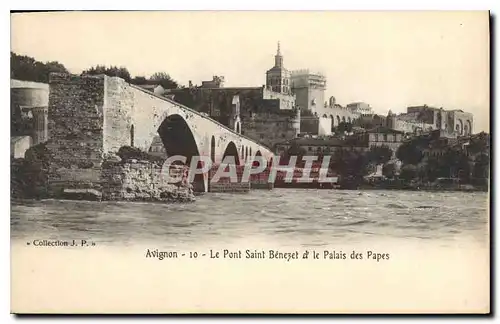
[{"x": 129, "y": 177}]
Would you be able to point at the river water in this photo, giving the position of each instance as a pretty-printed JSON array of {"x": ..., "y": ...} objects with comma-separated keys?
[
  {"x": 436, "y": 243},
  {"x": 288, "y": 216}
]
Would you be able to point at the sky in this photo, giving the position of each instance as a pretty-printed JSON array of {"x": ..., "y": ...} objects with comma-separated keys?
[{"x": 390, "y": 60}]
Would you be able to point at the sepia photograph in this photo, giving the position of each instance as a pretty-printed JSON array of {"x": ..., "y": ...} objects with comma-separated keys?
[{"x": 261, "y": 162}]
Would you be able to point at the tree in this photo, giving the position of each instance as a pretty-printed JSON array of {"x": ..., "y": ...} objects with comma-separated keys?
[
  {"x": 112, "y": 71},
  {"x": 409, "y": 153},
  {"x": 433, "y": 169},
  {"x": 296, "y": 150},
  {"x": 481, "y": 167},
  {"x": 408, "y": 172},
  {"x": 344, "y": 127},
  {"x": 379, "y": 154},
  {"x": 479, "y": 143},
  {"x": 139, "y": 80},
  {"x": 164, "y": 80},
  {"x": 389, "y": 170},
  {"x": 28, "y": 69},
  {"x": 351, "y": 163},
  {"x": 455, "y": 162}
]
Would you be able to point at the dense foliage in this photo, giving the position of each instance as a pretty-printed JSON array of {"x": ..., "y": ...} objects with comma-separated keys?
[
  {"x": 466, "y": 162},
  {"x": 26, "y": 68},
  {"x": 112, "y": 71},
  {"x": 29, "y": 69},
  {"x": 127, "y": 153}
]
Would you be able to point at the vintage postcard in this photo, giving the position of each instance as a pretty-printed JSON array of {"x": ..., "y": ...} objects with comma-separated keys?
[{"x": 250, "y": 162}]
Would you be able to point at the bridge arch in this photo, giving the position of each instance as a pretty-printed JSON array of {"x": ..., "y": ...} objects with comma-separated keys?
[
  {"x": 257, "y": 159},
  {"x": 231, "y": 150},
  {"x": 178, "y": 139}
]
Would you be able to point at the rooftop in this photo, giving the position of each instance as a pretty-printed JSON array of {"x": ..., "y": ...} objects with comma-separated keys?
[
  {"x": 384, "y": 130},
  {"x": 325, "y": 141},
  {"x": 148, "y": 86}
]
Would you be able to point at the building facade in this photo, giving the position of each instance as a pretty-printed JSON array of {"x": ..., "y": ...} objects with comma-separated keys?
[
  {"x": 420, "y": 119},
  {"x": 382, "y": 136},
  {"x": 309, "y": 89},
  {"x": 325, "y": 146},
  {"x": 360, "y": 108},
  {"x": 29, "y": 111}
]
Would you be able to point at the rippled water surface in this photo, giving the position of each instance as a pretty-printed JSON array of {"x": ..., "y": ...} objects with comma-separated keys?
[{"x": 304, "y": 217}]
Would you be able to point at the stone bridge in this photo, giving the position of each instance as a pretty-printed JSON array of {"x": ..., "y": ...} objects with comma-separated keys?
[{"x": 93, "y": 116}]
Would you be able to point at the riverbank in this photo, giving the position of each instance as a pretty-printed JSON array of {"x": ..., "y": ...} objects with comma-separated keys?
[{"x": 127, "y": 180}]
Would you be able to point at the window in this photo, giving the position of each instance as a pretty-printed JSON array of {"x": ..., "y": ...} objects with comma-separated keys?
[
  {"x": 309, "y": 148},
  {"x": 132, "y": 136}
]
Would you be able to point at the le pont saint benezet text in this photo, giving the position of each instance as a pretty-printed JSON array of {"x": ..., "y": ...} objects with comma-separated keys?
[{"x": 295, "y": 255}]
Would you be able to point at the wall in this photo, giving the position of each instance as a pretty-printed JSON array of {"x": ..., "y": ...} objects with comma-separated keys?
[
  {"x": 308, "y": 87},
  {"x": 325, "y": 126},
  {"x": 336, "y": 112},
  {"x": 452, "y": 121},
  {"x": 217, "y": 102},
  {"x": 309, "y": 125},
  {"x": 19, "y": 145},
  {"x": 371, "y": 121},
  {"x": 460, "y": 120},
  {"x": 359, "y": 108},
  {"x": 286, "y": 102},
  {"x": 403, "y": 124},
  {"x": 318, "y": 96},
  {"x": 270, "y": 129},
  {"x": 391, "y": 140},
  {"x": 143, "y": 180},
  {"x": 328, "y": 146},
  {"x": 75, "y": 120}
]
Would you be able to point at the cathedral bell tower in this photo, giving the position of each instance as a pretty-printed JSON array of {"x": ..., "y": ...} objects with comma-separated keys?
[{"x": 278, "y": 78}]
